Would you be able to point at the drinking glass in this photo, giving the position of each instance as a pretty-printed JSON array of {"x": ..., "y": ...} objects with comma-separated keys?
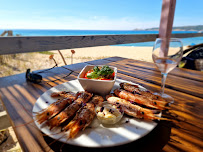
[{"x": 166, "y": 54}]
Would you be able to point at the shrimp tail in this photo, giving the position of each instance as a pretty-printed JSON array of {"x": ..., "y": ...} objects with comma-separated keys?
[
  {"x": 41, "y": 117},
  {"x": 69, "y": 126},
  {"x": 51, "y": 126},
  {"x": 73, "y": 122},
  {"x": 76, "y": 127}
]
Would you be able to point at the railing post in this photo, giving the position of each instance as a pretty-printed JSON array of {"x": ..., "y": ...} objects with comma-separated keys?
[
  {"x": 167, "y": 16},
  {"x": 166, "y": 22}
]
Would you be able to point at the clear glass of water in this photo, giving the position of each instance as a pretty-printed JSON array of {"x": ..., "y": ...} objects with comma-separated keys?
[{"x": 166, "y": 54}]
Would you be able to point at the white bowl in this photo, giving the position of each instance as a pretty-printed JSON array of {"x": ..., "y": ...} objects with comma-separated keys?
[{"x": 100, "y": 87}]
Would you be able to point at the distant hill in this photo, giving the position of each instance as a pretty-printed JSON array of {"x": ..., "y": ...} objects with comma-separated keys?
[{"x": 181, "y": 28}]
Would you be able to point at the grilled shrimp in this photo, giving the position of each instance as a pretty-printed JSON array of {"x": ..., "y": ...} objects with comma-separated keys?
[
  {"x": 84, "y": 117},
  {"x": 136, "y": 90},
  {"x": 140, "y": 99},
  {"x": 134, "y": 110},
  {"x": 69, "y": 111},
  {"x": 55, "y": 108}
]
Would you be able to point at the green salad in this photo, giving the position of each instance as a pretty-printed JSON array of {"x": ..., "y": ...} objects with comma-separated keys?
[{"x": 102, "y": 73}]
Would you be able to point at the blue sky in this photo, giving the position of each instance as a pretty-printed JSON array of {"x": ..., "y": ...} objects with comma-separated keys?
[{"x": 94, "y": 14}]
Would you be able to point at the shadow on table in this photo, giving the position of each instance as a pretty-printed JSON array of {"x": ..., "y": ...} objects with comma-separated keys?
[{"x": 154, "y": 141}]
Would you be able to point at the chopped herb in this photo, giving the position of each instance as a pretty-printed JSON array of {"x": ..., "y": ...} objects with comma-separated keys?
[
  {"x": 105, "y": 70},
  {"x": 121, "y": 111},
  {"x": 102, "y": 108},
  {"x": 96, "y": 69},
  {"x": 111, "y": 111}
]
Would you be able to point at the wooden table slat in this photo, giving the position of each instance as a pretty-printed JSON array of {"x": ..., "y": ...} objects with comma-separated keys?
[
  {"x": 189, "y": 74},
  {"x": 173, "y": 82}
]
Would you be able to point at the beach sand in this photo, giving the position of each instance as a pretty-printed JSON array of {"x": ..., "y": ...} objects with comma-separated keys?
[
  {"x": 36, "y": 61},
  {"x": 92, "y": 53}
]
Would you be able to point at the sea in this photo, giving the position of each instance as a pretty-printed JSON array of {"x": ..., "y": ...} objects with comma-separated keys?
[{"x": 37, "y": 32}]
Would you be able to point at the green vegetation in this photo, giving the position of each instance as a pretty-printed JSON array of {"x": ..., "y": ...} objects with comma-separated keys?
[
  {"x": 46, "y": 52},
  {"x": 183, "y": 28}
]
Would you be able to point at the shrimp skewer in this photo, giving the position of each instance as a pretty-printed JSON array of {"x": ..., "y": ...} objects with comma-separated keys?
[
  {"x": 55, "y": 108},
  {"x": 84, "y": 117},
  {"x": 64, "y": 94},
  {"x": 69, "y": 111},
  {"x": 140, "y": 99},
  {"x": 134, "y": 110},
  {"x": 136, "y": 90}
]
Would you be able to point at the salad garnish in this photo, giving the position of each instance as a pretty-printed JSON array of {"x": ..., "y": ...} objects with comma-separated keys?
[{"x": 102, "y": 73}]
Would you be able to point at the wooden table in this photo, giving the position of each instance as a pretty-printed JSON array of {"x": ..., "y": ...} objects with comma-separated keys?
[{"x": 186, "y": 86}]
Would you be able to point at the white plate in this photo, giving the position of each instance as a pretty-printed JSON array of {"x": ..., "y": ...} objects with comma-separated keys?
[{"x": 127, "y": 130}]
